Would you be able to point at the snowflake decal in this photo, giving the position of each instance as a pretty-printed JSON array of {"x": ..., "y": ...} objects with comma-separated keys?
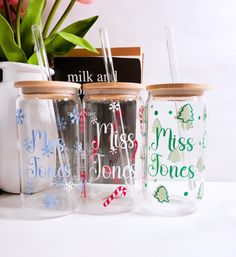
[
  {"x": 28, "y": 144},
  {"x": 94, "y": 120},
  {"x": 113, "y": 150},
  {"x": 28, "y": 188},
  {"x": 77, "y": 147},
  {"x": 51, "y": 201},
  {"x": 69, "y": 186},
  {"x": 20, "y": 116},
  {"x": 90, "y": 180},
  {"x": 61, "y": 123},
  {"x": 74, "y": 116},
  {"x": 47, "y": 150},
  {"x": 92, "y": 194},
  {"x": 59, "y": 182},
  {"x": 114, "y": 106}
]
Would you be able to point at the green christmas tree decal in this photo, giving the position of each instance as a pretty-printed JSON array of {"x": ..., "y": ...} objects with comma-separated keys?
[
  {"x": 204, "y": 113},
  {"x": 187, "y": 126},
  {"x": 200, "y": 165},
  {"x": 143, "y": 154},
  {"x": 200, "y": 191},
  {"x": 161, "y": 194},
  {"x": 145, "y": 116},
  {"x": 185, "y": 116},
  {"x": 156, "y": 124},
  {"x": 204, "y": 140},
  {"x": 174, "y": 156}
]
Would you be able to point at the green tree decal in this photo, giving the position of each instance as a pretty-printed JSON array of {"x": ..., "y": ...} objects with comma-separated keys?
[
  {"x": 161, "y": 194},
  {"x": 204, "y": 140},
  {"x": 156, "y": 124},
  {"x": 145, "y": 115},
  {"x": 204, "y": 113},
  {"x": 143, "y": 153},
  {"x": 200, "y": 165},
  {"x": 187, "y": 126},
  {"x": 200, "y": 191},
  {"x": 174, "y": 156},
  {"x": 185, "y": 114}
]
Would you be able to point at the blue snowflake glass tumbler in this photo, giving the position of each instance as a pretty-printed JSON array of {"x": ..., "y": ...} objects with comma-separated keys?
[
  {"x": 176, "y": 144},
  {"x": 113, "y": 147},
  {"x": 48, "y": 117}
]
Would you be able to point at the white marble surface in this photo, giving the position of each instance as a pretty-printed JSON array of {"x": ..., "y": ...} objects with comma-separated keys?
[
  {"x": 209, "y": 232},
  {"x": 206, "y": 49}
]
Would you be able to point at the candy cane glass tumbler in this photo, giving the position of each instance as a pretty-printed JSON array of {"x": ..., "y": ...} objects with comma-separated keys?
[
  {"x": 113, "y": 146},
  {"x": 47, "y": 125},
  {"x": 176, "y": 143}
]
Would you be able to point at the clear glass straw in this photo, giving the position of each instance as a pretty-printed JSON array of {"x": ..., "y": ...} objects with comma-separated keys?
[
  {"x": 110, "y": 73},
  {"x": 172, "y": 54},
  {"x": 41, "y": 52},
  {"x": 107, "y": 56},
  {"x": 170, "y": 44},
  {"x": 45, "y": 71}
]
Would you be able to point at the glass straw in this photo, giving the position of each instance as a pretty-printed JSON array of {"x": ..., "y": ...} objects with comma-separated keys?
[
  {"x": 170, "y": 44},
  {"x": 41, "y": 52},
  {"x": 107, "y": 56},
  {"x": 109, "y": 67},
  {"x": 171, "y": 54},
  {"x": 45, "y": 72}
]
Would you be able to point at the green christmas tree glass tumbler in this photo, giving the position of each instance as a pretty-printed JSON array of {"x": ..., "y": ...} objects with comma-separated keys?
[{"x": 176, "y": 143}]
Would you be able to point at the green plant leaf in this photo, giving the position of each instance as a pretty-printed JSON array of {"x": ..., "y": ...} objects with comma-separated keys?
[
  {"x": 33, "y": 58},
  {"x": 61, "y": 46},
  {"x": 57, "y": 45},
  {"x": 2, "y": 57},
  {"x": 77, "y": 41},
  {"x": 32, "y": 16},
  {"x": 8, "y": 46}
]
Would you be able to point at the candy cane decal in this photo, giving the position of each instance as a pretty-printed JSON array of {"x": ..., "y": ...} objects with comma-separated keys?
[
  {"x": 83, "y": 115},
  {"x": 135, "y": 150},
  {"x": 119, "y": 189},
  {"x": 83, "y": 181},
  {"x": 141, "y": 111}
]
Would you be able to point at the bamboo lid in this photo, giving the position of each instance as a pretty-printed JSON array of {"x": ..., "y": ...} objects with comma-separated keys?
[
  {"x": 177, "y": 89},
  {"x": 48, "y": 87},
  {"x": 114, "y": 85}
]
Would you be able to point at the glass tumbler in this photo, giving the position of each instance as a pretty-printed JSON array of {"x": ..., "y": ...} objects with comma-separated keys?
[
  {"x": 47, "y": 116},
  {"x": 176, "y": 143},
  {"x": 113, "y": 160}
]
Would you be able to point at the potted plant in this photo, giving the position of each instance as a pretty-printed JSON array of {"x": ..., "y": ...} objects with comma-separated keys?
[{"x": 18, "y": 62}]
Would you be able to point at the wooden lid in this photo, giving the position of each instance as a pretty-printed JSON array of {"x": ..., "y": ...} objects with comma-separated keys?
[
  {"x": 170, "y": 89},
  {"x": 48, "y": 87},
  {"x": 114, "y": 85}
]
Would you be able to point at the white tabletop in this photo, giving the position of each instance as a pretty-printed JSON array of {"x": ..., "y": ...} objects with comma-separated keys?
[{"x": 210, "y": 232}]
